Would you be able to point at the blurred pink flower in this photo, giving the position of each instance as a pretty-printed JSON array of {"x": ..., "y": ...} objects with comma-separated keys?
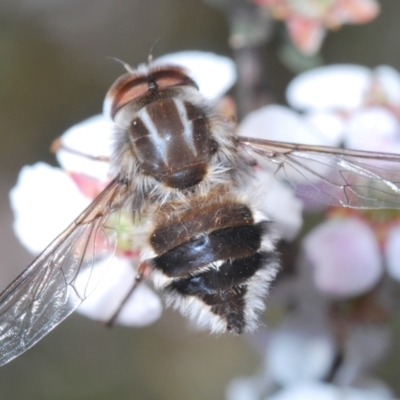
[
  {"x": 351, "y": 251},
  {"x": 363, "y": 106},
  {"x": 345, "y": 255},
  {"x": 307, "y": 20}
]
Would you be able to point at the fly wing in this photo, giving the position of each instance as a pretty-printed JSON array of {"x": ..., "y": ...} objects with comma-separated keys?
[
  {"x": 61, "y": 277},
  {"x": 339, "y": 177}
]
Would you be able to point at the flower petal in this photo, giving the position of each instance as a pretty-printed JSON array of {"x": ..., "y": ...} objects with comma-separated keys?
[
  {"x": 89, "y": 187},
  {"x": 373, "y": 129},
  {"x": 142, "y": 308},
  {"x": 280, "y": 123},
  {"x": 389, "y": 79},
  {"x": 330, "y": 124},
  {"x": 214, "y": 74},
  {"x": 45, "y": 201},
  {"x": 345, "y": 257},
  {"x": 280, "y": 204},
  {"x": 336, "y": 86},
  {"x": 93, "y": 137}
]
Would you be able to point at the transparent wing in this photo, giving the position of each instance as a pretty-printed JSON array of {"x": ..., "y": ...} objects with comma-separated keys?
[
  {"x": 339, "y": 177},
  {"x": 60, "y": 278}
]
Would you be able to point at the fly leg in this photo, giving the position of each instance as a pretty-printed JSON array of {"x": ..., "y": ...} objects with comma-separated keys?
[
  {"x": 58, "y": 145},
  {"x": 141, "y": 273}
]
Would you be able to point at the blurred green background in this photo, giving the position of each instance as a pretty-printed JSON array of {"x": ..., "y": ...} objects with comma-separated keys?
[{"x": 54, "y": 72}]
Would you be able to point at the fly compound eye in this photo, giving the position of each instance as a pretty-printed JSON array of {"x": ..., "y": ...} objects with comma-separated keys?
[
  {"x": 141, "y": 88},
  {"x": 171, "y": 77},
  {"x": 125, "y": 89}
]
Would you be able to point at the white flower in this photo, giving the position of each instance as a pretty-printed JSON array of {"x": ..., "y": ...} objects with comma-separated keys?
[
  {"x": 93, "y": 137},
  {"x": 364, "y": 109},
  {"x": 45, "y": 201},
  {"x": 332, "y": 87},
  {"x": 214, "y": 74},
  {"x": 365, "y": 102},
  {"x": 142, "y": 308},
  {"x": 345, "y": 256},
  {"x": 275, "y": 122}
]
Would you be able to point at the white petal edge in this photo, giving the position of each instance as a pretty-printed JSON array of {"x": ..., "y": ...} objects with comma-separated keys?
[
  {"x": 389, "y": 79},
  {"x": 45, "y": 201},
  {"x": 275, "y": 122},
  {"x": 330, "y": 124},
  {"x": 94, "y": 137},
  {"x": 142, "y": 308},
  {"x": 279, "y": 123},
  {"x": 373, "y": 129},
  {"x": 280, "y": 204},
  {"x": 336, "y": 86},
  {"x": 214, "y": 74}
]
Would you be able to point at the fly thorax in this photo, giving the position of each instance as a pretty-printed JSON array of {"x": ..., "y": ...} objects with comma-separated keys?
[{"x": 172, "y": 142}]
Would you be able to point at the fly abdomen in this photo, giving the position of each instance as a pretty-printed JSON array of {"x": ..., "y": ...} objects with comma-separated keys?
[
  {"x": 221, "y": 244},
  {"x": 218, "y": 263},
  {"x": 229, "y": 274},
  {"x": 225, "y": 289}
]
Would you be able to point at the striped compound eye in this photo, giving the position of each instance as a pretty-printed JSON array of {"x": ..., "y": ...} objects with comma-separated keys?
[
  {"x": 170, "y": 77},
  {"x": 132, "y": 86}
]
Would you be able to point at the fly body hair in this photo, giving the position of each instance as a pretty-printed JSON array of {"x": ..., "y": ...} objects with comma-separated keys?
[
  {"x": 255, "y": 288},
  {"x": 256, "y": 292},
  {"x": 224, "y": 166}
]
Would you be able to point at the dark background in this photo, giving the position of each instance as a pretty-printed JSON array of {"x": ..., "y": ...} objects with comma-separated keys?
[{"x": 54, "y": 72}]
